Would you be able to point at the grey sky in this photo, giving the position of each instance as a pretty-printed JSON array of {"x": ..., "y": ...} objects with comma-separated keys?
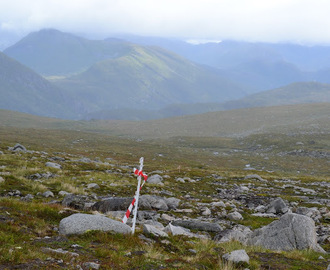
[{"x": 299, "y": 21}]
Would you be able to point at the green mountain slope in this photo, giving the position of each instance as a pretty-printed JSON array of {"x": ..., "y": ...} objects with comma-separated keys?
[
  {"x": 147, "y": 78},
  {"x": 295, "y": 93},
  {"x": 51, "y": 52},
  {"x": 21, "y": 89}
]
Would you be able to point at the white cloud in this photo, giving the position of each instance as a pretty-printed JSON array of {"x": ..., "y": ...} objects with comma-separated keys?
[{"x": 255, "y": 20}]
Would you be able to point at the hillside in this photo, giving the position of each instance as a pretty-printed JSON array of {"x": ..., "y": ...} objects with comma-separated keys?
[
  {"x": 21, "y": 89},
  {"x": 53, "y": 53},
  {"x": 289, "y": 119},
  {"x": 295, "y": 93},
  {"x": 147, "y": 78}
]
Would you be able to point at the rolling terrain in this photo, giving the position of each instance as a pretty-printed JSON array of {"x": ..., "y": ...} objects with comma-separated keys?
[
  {"x": 22, "y": 89},
  {"x": 289, "y": 119},
  {"x": 295, "y": 93}
]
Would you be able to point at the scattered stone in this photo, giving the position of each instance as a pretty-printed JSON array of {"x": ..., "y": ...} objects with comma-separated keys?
[
  {"x": 60, "y": 251},
  {"x": 277, "y": 206},
  {"x": 167, "y": 218},
  {"x": 17, "y": 148},
  {"x": 198, "y": 225},
  {"x": 93, "y": 186},
  {"x": 206, "y": 211},
  {"x": 178, "y": 230},
  {"x": 48, "y": 194},
  {"x": 193, "y": 251},
  {"x": 255, "y": 176},
  {"x": 2, "y": 180},
  {"x": 78, "y": 202},
  {"x": 155, "y": 179},
  {"x": 218, "y": 204},
  {"x": 91, "y": 265},
  {"x": 1, "y": 153},
  {"x": 180, "y": 180},
  {"x": 306, "y": 190},
  {"x": 235, "y": 216},
  {"x": 80, "y": 223},
  {"x": 154, "y": 223},
  {"x": 63, "y": 193},
  {"x": 28, "y": 197},
  {"x": 291, "y": 231},
  {"x": 15, "y": 193},
  {"x": 149, "y": 229},
  {"x": 113, "y": 204},
  {"x": 38, "y": 176},
  {"x": 270, "y": 215},
  {"x": 238, "y": 233},
  {"x": 313, "y": 212},
  {"x": 172, "y": 203},
  {"x": 237, "y": 256},
  {"x": 146, "y": 202},
  {"x": 53, "y": 165},
  {"x": 149, "y": 202}
]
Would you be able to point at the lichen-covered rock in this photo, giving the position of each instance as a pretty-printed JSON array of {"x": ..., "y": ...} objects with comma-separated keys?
[
  {"x": 149, "y": 229},
  {"x": 277, "y": 206},
  {"x": 81, "y": 223},
  {"x": 198, "y": 225},
  {"x": 155, "y": 179},
  {"x": 291, "y": 231},
  {"x": 237, "y": 256}
]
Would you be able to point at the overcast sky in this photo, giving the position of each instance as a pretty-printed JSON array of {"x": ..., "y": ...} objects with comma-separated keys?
[{"x": 297, "y": 21}]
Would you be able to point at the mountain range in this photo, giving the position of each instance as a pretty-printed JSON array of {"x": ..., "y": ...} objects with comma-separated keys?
[{"x": 119, "y": 79}]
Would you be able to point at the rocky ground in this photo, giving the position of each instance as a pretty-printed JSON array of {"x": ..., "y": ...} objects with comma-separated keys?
[{"x": 63, "y": 210}]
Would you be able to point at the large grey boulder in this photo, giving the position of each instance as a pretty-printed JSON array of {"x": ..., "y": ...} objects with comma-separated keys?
[
  {"x": 277, "y": 206},
  {"x": 291, "y": 231},
  {"x": 237, "y": 256},
  {"x": 81, "y": 223},
  {"x": 198, "y": 225}
]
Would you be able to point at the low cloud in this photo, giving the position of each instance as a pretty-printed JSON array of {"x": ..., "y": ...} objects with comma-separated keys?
[{"x": 305, "y": 21}]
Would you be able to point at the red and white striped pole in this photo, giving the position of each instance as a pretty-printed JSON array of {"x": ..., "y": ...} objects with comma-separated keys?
[{"x": 135, "y": 201}]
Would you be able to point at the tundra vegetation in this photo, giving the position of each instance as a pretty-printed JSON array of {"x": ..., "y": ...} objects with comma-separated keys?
[{"x": 220, "y": 174}]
